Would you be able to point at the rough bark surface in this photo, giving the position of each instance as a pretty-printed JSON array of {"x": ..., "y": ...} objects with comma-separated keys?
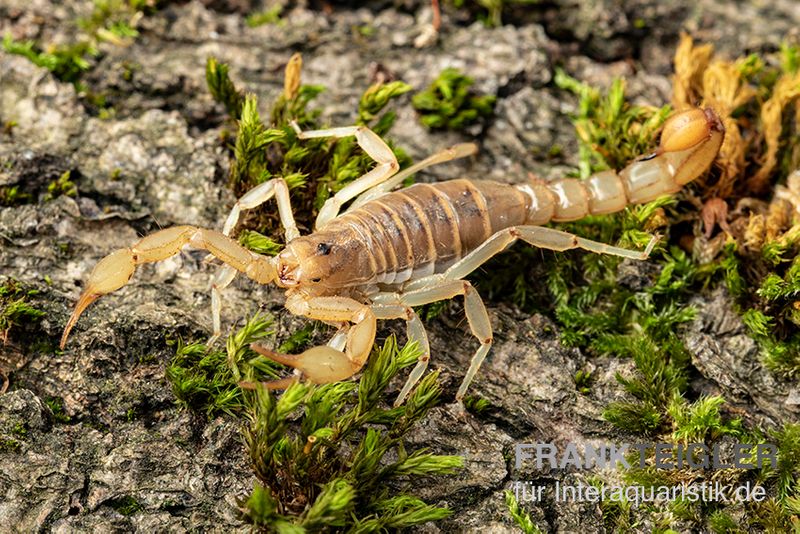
[{"x": 159, "y": 162}]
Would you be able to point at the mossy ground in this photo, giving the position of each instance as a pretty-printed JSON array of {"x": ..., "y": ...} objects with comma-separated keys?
[
  {"x": 325, "y": 456},
  {"x": 640, "y": 323},
  {"x": 753, "y": 253},
  {"x": 755, "y": 257}
]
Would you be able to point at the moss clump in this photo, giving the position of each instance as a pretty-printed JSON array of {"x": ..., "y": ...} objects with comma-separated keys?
[
  {"x": 759, "y": 101},
  {"x": 208, "y": 380},
  {"x": 56, "y": 405},
  {"x": 112, "y": 21},
  {"x": 13, "y": 434},
  {"x": 325, "y": 456},
  {"x": 449, "y": 104},
  {"x": 330, "y": 456},
  {"x": 222, "y": 88},
  {"x": 519, "y": 515},
  {"x": 66, "y": 62},
  {"x": 126, "y": 505},
  {"x": 583, "y": 381},
  {"x": 115, "y": 21},
  {"x": 11, "y": 195},
  {"x": 476, "y": 405},
  {"x": 603, "y": 312},
  {"x": 62, "y": 186},
  {"x": 15, "y": 310},
  {"x": 271, "y": 15},
  {"x": 611, "y": 132},
  {"x": 596, "y": 313},
  {"x": 314, "y": 169},
  {"x": 490, "y": 12},
  {"x": 777, "y": 326}
]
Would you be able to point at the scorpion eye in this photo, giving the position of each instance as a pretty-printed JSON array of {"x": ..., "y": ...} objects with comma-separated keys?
[
  {"x": 316, "y": 279},
  {"x": 324, "y": 249}
]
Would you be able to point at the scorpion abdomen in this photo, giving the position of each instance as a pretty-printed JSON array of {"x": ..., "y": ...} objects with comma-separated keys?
[{"x": 425, "y": 228}]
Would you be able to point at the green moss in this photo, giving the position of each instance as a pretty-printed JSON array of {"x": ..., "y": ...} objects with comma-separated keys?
[
  {"x": 207, "y": 380},
  {"x": 11, "y": 195},
  {"x": 126, "y": 505},
  {"x": 271, "y": 15},
  {"x": 449, "y": 104},
  {"x": 15, "y": 310},
  {"x": 114, "y": 20},
  {"x": 771, "y": 312},
  {"x": 10, "y": 445},
  {"x": 786, "y": 475},
  {"x": 326, "y": 455},
  {"x": 790, "y": 57},
  {"x": 259, "y": 243},
  {"x": 701, "y": 421},
  {"x": 602, "y": 313},
  {"x": 222, "y": 88},
  {"x": 611, "y": 132},
  {"x": 110, "y": 20},
  {"x": 13, "y": 434},
  {"x": 20, "y": 430},
  {"x": 476, "y": 405},
  {"x": 617, "y": 513},
  {"x": 583, "y": 381},
  {"x": 56, "y": 405},
  {"x": 314, "y": 169},
  {"x": 62, "y": 186},
  {"x": 721, "y": 523},
  {"x": 520, "y": 516},
  {"x": 66, "y": 62}
]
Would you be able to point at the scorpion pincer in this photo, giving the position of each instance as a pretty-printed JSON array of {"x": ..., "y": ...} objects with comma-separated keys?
[{"x": 393, "y": 250}]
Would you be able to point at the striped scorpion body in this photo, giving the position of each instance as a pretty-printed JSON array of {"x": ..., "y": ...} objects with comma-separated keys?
[{"x": 393, "y": 250}]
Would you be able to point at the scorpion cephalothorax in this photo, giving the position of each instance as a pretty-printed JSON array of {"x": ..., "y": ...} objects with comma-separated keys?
[{"x": 391, "y": 251}]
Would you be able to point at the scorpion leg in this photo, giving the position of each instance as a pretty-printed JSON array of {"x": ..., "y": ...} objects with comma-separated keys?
[
  {"x": 374, "y": 146},
  {"x": 260, "y": 194},
  {"x": 480, "y": 326},
  {"x": 116, "y": 269},
  {"x": 324, "y": 364},
  {"x": 414, "y": 330},
  {"x": 252, "y": 199},
  {"x": 538, "y": 236},
  {"x": 460, "y": 150},
  {"x": 449, "y": 284}
]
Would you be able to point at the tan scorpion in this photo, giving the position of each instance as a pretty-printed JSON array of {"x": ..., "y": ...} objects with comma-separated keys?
[{"x": 393, "y": 250}]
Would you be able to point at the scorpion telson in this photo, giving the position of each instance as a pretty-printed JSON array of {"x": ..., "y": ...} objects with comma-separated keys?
[{"x": 391, "y": 251}]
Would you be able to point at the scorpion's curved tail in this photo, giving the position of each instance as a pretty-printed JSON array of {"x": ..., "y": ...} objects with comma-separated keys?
[{"x": 690, "y": 141}]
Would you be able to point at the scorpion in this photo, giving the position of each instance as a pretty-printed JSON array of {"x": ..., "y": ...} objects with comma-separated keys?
[{"x": 392, "y": 250}]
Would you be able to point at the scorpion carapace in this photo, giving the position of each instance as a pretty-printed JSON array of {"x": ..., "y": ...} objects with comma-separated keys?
[{"x": 391, "y": 251}]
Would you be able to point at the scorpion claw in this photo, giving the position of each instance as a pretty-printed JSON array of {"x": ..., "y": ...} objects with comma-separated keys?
[
  {"x": 320, "y": 365},
  {"x": 83, "y": 302},
  {"x": 110, "y": 274},
  {"x": 283, "y": 383}
]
